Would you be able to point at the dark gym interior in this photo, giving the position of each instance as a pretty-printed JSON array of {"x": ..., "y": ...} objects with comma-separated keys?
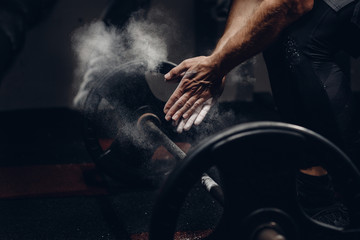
[{"x": 53, "y": 182}]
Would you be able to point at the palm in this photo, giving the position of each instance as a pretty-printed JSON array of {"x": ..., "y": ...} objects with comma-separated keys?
[{"x": 200, "y": 82}]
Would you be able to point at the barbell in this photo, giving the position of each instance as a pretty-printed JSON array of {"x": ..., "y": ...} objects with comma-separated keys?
[
  {"x": 259, "y": 159},
  {"x": 123, "y": 98},
  {"x": 259, "y": 163},
  {"x": 111, "y": 110}
]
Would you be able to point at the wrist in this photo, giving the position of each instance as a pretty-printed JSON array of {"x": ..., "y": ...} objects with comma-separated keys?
[{"x": 218, "y": 64}]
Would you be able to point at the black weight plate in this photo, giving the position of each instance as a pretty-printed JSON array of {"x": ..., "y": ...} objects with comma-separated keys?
[
  {"x": 258, "y": 163},
  {"x": 111, "y": 110}
]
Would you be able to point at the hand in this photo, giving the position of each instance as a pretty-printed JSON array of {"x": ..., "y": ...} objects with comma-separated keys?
[
  {"x": 196, "y": 118},
  {"x": 201, "y": 80}
]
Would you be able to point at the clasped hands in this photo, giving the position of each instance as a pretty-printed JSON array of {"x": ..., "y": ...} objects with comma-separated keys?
[{"x": 201, "y": 83}]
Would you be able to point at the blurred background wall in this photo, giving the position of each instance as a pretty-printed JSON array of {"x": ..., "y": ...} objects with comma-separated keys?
[{"x": 41, "y": 74}]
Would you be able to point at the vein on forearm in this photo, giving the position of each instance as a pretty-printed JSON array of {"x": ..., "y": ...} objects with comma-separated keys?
[{"x": 239, "y": 14}]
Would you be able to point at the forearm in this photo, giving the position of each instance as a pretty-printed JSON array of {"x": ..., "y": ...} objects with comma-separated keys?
[
  {"x": 252, "y": 25},
  {"x": 239, "y": 14}
]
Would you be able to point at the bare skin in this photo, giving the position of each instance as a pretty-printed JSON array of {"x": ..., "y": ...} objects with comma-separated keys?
[
  {"x": 315, "y": 171},
  {"x": 252, "y": 25}
]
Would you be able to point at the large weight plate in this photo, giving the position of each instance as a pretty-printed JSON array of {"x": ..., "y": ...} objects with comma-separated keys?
[{"x": 258, "y": 163}]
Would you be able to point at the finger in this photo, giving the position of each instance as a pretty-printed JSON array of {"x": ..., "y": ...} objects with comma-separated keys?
[
  {"x": 181, "y": 125},
  {"x": 176, "y": 72},
  {"x": 205, "y": 109},
  {"x": 184, "y": 103},
  {"x": 174, "y": 104},
  {"x": 171, "y": 101},
  {"x": 191, "y": 119},
  {"x": 175, "y": 123},
  {"x": 209, "y": 101},
  {"x": 175, "y": 78},
  {"x": 202, "y": 114},
  {"x": 168, "y": 106},
  {"x": 195, "y": 106}
]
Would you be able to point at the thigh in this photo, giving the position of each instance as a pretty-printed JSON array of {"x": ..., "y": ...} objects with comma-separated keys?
[{"x": 308, "y": 87}]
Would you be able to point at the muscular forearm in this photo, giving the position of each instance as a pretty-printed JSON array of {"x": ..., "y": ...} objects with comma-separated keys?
[
  {"x": 252, "y": 25},
  {"x": 239, "y": 14}
]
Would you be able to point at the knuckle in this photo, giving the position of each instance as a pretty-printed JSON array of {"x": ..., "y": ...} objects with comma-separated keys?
[
  {"x": 180, "y": 102},
  {"x": 173, "y": 72},
  {"x": 180, "y": 91},
  {"x": 187, "y": 63},
  {"x": 188, "y": 105},
  {"x": 190, "y": 112},
  {"x": 197, "y": 104}
]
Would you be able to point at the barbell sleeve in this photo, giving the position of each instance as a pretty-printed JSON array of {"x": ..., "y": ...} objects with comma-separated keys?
[{"x": 148, "y": 122}]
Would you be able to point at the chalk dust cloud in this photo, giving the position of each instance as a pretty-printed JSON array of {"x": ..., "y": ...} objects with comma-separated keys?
[{"x": 99, "y": 47}]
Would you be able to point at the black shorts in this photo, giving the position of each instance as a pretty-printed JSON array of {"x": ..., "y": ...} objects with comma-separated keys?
[{"x": 309, "y": 87}]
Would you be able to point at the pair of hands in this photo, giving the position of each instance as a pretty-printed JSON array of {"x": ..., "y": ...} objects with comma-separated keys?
[{"x": 201, "y": 83}]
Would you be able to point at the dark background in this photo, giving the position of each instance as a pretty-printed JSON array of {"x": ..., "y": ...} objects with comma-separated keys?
[
  {"x": 38, "y": 127},
  {"x": 42, "y": 73}
]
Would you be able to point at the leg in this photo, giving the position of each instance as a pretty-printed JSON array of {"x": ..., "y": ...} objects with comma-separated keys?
[
  {"x": 311, "y": 90},
  {"x": 308, "y": 87}
]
